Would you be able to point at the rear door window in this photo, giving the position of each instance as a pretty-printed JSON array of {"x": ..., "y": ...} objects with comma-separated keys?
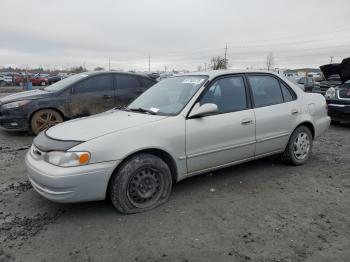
[
  {"x": 266, "y": 90},
  {"x": 125, "y": 81}
]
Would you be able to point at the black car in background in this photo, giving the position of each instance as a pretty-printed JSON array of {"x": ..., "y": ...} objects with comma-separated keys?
[
  {"x": 308, "y": 83},
  {"x": 54, "y": 79},
  {"x": 338, "y": 97},
  {"x": 331, "y": 78},
  {"x": 75, "y": 96}
]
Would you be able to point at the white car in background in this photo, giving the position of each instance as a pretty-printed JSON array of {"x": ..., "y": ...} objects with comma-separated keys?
[
  {"x": 180, "y": 127},
  {"x": 5, "y": 80}
]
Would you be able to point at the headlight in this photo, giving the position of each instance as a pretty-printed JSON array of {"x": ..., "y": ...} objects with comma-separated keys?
[
  {"x": 330, "y": 94},
  {"x": 15, "y": 104},
  {"x": 67, "y": 159}
]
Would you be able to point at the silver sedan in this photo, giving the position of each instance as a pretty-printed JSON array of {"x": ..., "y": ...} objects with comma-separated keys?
[{"x": 182, "y": 126}]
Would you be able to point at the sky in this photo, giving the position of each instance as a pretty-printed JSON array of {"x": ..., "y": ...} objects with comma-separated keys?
[{"x": 181, "y": 34}]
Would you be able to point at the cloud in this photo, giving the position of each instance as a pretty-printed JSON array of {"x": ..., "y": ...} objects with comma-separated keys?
[{"x": 180, "y": 34}]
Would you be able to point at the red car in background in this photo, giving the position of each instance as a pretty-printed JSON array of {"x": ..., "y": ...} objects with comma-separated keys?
[
  {"x": 36, "y": 80},
  {"x": 39, "y": 81}
]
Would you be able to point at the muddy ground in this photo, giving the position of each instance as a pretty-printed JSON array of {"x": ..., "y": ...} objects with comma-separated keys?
[{"x": 259, "y": 211}]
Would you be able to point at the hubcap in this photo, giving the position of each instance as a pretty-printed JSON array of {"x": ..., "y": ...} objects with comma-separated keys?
[
  {"x": 301, "y": 146},
  {"x": 46, "y": 120},
  {"x": 144, "y": 187}
]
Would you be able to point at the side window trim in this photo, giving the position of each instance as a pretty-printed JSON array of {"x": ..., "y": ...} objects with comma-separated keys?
[
  {"x": 249, "y": 104},
  {"x": 280, "y": 81},
  {"x": 290, "y": 90}
]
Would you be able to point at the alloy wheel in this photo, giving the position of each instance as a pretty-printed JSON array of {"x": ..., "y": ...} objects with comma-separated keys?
[{"x": 301, "y": 146}]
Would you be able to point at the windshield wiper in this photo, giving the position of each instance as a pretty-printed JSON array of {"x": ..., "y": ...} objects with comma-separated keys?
[
  {"x": 142, "y": 110},
  {"x": 124, "y": 108}
]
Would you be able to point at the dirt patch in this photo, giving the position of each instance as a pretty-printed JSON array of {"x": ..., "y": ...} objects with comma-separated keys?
[
  {"x": 19, "y": 229},
  {"x": 261, "y": 211}
]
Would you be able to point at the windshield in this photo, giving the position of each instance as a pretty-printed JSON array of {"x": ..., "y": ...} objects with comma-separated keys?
[
  {"x": 169, "y": 96},
  {"x": 65, "y": 82}
]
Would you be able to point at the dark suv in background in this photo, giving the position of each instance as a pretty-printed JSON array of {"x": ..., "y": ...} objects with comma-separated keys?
[{"x": 76, "y": 96}]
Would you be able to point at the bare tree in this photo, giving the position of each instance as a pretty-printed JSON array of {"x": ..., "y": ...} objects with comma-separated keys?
[
  {"x": 218, "y": 62},
  {"x": 270, "y": 61},
  {"x": 99, "y": 69}
]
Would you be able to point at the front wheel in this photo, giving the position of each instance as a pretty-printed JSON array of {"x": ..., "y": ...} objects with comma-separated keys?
[
  {"x": 143, "y": 182},
  {"x": 299, "y": 147},
  {"x": 44, "y": 119}
]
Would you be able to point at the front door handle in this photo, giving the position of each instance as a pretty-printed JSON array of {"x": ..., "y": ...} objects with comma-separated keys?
[{"x": 247, "y": 121}]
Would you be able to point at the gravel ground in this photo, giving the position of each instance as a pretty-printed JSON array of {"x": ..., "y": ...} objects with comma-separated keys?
[{"x": 258, "y": 211}]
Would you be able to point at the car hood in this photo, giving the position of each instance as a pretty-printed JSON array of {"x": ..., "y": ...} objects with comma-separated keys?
[
  {"x": 342, "y": 69},
  {"x": 33, "y": 94},
  {"x": 87, "y": 128}
]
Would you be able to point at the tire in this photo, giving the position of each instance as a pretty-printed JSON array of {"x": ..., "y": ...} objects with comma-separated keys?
[
  {"x": 299, "y": 147},
  {"x": 43, "y": 119},
  {"x": 142, "y": 183}
]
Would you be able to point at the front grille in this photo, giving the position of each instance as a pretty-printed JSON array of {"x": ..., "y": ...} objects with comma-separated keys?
[{"x": 344, "y": 93}]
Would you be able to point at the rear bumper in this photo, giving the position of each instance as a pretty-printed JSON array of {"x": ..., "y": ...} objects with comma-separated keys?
[
  {"x": 322, "y": 125},
  {"x": 69, "y": 184},
  {"x": 339, "y": 112}
]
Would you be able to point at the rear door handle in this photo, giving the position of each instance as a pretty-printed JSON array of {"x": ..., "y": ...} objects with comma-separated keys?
[
  {"x": 107, "y": 96},
  {"x": 294, "y": 111},
  {"x": 247, "y": 121}
]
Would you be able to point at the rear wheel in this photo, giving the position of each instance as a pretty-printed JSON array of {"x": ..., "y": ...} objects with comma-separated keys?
[
  {"x": 143, "y": 182},
  {"x": 299, "y": 147},
  {"x": 43, "y": 119}
]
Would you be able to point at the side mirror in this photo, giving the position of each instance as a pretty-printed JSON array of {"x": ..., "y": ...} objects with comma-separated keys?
[{"x": 205, "y": 109}]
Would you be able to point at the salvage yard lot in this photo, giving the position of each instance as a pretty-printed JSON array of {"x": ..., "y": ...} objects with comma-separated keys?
[{"x": 259, "y": 211}]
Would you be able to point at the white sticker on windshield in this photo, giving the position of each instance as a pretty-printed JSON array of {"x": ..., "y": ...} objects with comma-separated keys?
[
  {"x": 194, "y": 81},
  {"x": 155, "y": 110}
]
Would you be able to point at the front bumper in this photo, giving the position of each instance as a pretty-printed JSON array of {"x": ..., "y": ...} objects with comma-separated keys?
[
  {"x": 69, "y": 184},
  {"x": 13, "y": 120},
  {"x": 339, "y": 111}
]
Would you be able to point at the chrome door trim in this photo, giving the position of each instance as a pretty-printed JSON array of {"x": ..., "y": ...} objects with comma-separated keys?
[
  {"x": 219, "y": 167},
  {"x": 272, "y": 137},
  {"x": 221, "y": 149}
]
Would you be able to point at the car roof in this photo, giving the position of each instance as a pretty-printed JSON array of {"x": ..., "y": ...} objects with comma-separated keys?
[
  {"x": 216, "y": 73},
  {"x": 114, "y": 72}
]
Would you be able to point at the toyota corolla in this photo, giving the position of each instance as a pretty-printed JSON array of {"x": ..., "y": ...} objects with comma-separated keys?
[{"x": 182, "y": 126}]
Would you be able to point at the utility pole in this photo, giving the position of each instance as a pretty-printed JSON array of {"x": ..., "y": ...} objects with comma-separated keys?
[
  {"x": 226, "y": 56},
  {"x": 109, "y": 64},
  {"x": 149, "y": 63},
  {"x": 331, "y": 59}
]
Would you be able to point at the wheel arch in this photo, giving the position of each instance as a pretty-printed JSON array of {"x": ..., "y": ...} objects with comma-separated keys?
[
  {"x": 309, "y": 125},
  {"x": 165, "y": 156},
  {"x": 43, "y": 108}
]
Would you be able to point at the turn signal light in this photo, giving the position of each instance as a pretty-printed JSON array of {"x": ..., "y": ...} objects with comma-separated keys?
[{"x": 84, "y": 158}]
